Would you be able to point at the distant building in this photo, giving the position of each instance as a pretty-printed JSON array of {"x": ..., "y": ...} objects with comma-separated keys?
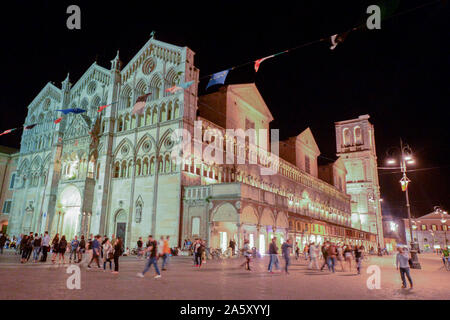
[
  {"x": 355, "y": 141},
  {"x": 429, "y": 232},
  {"x": 393, "y": 232},
  {"x": 8, "y": 164}
]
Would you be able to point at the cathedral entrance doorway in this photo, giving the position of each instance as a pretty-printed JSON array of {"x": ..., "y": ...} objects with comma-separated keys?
[
  {"x": 121, "y": 224},
  {"x": 225, "y": 219},
  {"x": 70, "y": 200}
]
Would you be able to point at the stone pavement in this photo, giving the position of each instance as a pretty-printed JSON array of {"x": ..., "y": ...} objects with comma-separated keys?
[{"x": 219, "y": 279}]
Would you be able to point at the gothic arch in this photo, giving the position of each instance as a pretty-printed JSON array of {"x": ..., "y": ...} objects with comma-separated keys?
[
  {"x": 267, "y": 218},
  {"x": 120, "y": 145},
  {"x": 225, "y": 212},
  {"x": 144, "y": 138},
  {"x": 164, "y": 137},
  {"x": 249, "y": 215}
]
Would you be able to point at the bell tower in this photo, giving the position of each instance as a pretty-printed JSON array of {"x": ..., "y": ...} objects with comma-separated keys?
[{"x": 355, "y": 144}]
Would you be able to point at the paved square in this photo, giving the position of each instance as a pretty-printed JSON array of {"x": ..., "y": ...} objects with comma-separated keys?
[{"x": 220, "y": 279}]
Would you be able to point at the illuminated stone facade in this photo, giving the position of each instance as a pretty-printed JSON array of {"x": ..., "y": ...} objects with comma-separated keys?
[
  {"x": 8, "y": 164},
  {"x": 355, "y": 141},
  {"x": 113, "y": 172}
]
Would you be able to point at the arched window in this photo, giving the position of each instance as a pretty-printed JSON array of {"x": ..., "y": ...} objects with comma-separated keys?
[
  {"x": 145, "y": 167},
  {"x": 130, "y": 167},
  {"x": 357, "y": 135},
  {"x": 152, "y": 165},
  {"x": 125, "y": 98},
  {"x": 160, "y": 164},
  {"x": 126, "y": 123},
  {"x": 155, "y": 86},
  {"x": 116, "y": 170},
  {"x": 167, "y": 164},
  {"x": 138, "y": 167},
  {"x": 148, "y": 117},
  {"x": 123, "y": 169},
  {"x": 154, "y": 115},
  {"x": 346, "y": 135},
  {"x": 98, "y": 171},
  {"x": 120, "y": 124},
  {"x": 12, "y": 181}
]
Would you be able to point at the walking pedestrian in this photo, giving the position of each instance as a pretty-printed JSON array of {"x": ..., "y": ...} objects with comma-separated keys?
[
  {"x": 247, "y": 254},
  {"x": 118, "y": 251},
  {"x": 348, "y": 256},
  {"x": 325, "y": 256},
  {"x": 232, "y": 246},
  {"x": 297, "y": 251},
  {"x": 340, "y": 256},
  {"x": 166, "y": 253},
  {"x": 29, "y": 245},
  {"x": 198, "y": 252},
  {"x": 81, "y": 248},
  {"x": 306, "y": 251},
  {"x": 402, "y": 262},
  {"x": 153, "y": 249},
  {"x": 313, "y": 256},
  {"x": 74, "y": 248},
  {"x": 2, "y": 242},
  {"x": 62, "y": 249},
  {"x": 358, "y": 258},
  {"x": 331, "y": 257},
  {"x": 95, "y": 251},
  {"x": 286, "y": 251},
  {"x": 273, "y": 252}
]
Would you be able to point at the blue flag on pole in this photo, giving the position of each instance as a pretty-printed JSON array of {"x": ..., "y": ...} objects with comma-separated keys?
[
  {"x": 218, "y": 78},
  {"x": 76, "y": 110}
]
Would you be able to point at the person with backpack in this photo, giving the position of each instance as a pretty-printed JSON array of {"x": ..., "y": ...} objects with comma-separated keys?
[
  {"x": 247, "y": 252},
  {"x": 29, "y": 245},
  {"x": 74, "y": 244},
  {"x": 95, "y": 251}
]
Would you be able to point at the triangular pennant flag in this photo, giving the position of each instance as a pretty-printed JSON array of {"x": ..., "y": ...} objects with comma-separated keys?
[
  {"x": 101, "y": 108},
  {"x": 181, "y": 86},
  {"x": 139, "y": 106},
  {"x": 75, "y": 110},
  {"x": 7, "y": 131},
  {"x": 337, "y": 38},
  {"x": 31, "y": 126},
  {"x": 259, "y": 61},
  {"x": 218, "y": 78},
  {"x": 58, "y": 120}
]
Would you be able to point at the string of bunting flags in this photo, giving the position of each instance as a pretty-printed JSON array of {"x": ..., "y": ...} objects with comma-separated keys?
[{"x": 220, "y": 77}]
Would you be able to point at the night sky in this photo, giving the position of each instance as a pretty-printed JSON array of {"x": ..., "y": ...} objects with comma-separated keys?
[{"x": 399, "y": 74}]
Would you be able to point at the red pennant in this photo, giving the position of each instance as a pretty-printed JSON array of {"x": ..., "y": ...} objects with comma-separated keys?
[{"x": 58, "y": 120}]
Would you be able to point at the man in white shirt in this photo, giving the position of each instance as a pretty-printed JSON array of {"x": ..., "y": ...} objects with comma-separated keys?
[{"x": 45, "y": 246}]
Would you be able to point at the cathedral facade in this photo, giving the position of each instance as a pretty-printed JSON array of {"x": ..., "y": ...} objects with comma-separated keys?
[{"x": 112, "y": 172}]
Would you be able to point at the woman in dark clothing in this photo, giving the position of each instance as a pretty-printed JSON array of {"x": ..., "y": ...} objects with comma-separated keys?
[
  {"x": 55, "y": 247},
  {"x": 24, "y": 248},
  {"x": 118, "y": 250},
  {"x": 62, "y": 249}
]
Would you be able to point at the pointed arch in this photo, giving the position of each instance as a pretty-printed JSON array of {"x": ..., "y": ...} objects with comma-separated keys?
[
  {"x": 141, "y": 141},
  {"x": 121, "y": 144}
]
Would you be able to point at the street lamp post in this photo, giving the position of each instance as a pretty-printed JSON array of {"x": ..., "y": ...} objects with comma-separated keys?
[{"x": 406, "y": 158}]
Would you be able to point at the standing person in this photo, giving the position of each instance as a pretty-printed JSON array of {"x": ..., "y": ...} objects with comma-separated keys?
[
  {"x": 2, "y": 242},
  {"x": 45, "y": 246},
  {"x": 195, "y": 247},
  {"x": 306, "y": 251},
  {"x": 166, "y": 253},
  {"x": 153, "y": 249},
  {"x": 82, "y": 248},
  {"x": 118, "y": 251},
  {"x": 36, "y": 247},
  {"x": 348, "y": 257},
  {"x": 340, "y": 256},
  {"x": 18, "y": 247},
  {"x": 95, "y": 251},
  {"x": 29, "y": 245},
  {"x": 286, "y": 251},
  {"x": 445, "y": 255},
  {"x": 23, "y": 248},
  {"x": 325, "y": 256},
  {"x": 313, "y": 256},
  {"x": 62, "y": 249},
  {"x": 74, "y": 248},
  {"x": 297, "y": 251},
  {"x": 232, "y": 246},
  {"x": 147, "y": 246},
  {"x": 108, "y": 254},
  {"x": 358, "y": 258},
  {"x": 139, "y": 247},
  {"x": 273, "y": 252},
  {"x": 402, "y": 262},
  {"x": 198, "y": 252},
  {"x": 247, "y": 254},
  {"x": 55, "y": 247}
]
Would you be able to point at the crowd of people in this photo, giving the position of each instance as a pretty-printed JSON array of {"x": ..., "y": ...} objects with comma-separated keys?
[{"x": 103, "y": 250}]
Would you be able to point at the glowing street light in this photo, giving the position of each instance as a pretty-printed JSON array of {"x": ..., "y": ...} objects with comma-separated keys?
[{"x": 406, "y": 158}]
